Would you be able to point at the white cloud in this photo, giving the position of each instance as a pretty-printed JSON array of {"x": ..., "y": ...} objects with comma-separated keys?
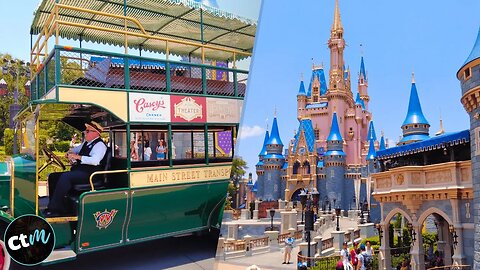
[{"x": 246, "y": 131}]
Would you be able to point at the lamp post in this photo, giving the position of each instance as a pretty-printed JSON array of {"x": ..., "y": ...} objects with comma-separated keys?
[
  {"x": 272, "y": 214},
  {"x": 412, "y": 233},
  {"x": 380, "y": 231},
  {"x": 362, "y": 217},
  {"x": 252, "y": 207},
  {"x": 303, "y": 200},
  {"x": 308, "y": 226},
  {"x": 454, "y": 235},
  {"x": 365, "y": 205},
  {"x": 15, "y": 69},
  {"x": 325, "y": 205},
  {"x": 316, "y": 200},
  {"x": 337, "y": 213}
]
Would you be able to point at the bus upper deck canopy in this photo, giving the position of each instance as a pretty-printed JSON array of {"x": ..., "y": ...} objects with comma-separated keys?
[{"x": 178, "y": 27}]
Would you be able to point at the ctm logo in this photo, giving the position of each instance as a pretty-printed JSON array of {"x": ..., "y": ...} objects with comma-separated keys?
[
  {"x": 29, "y": 240},
  {"x": 16, "y": 242}
]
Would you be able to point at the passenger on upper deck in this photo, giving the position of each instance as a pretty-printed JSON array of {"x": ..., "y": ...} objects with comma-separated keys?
[{"x": 86, "y": 159}]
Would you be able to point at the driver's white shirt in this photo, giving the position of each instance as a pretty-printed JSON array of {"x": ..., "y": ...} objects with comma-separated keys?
[{"x": 96, "y": 154}]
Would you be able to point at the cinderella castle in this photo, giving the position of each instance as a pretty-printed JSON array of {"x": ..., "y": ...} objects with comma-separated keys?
[
  {"x": 330, "y": 150},
  {"x": 334, "y": 148}
]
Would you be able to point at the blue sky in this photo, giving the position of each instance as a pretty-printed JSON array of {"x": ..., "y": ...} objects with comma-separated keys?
[{"x": 431, "y": 38}]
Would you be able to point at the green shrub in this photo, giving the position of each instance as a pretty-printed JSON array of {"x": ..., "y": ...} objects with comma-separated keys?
[
  {"x": 62, "y": 146},
  {"x": 8, "y": 141}
]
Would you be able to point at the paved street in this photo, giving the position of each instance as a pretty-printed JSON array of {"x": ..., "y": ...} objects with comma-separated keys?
[
  {"x": 273, "y": 260},
  {"x": 181, "y": 253}
]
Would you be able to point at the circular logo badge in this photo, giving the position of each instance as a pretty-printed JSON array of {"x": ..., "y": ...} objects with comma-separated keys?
[{"x": 29, "y": 240}]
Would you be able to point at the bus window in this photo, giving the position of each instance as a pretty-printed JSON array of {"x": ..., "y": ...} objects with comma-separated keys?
[
  {"x": 182, "y": 144},
  {"x": 198, "y": 145},
  {"x": 120, "y": 145}
]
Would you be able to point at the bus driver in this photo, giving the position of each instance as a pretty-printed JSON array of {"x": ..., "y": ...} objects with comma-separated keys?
[{"x": 87, "y": 157}]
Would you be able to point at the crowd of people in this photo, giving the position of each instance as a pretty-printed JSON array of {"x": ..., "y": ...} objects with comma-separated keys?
[{"x": 357, "y": 258}]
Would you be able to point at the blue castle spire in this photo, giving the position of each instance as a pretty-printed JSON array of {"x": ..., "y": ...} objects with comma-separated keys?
[
  {"x": 475, "y": 53},
  {"x": 274, "y": 135},
  {"x": 359, "y": 101},
  {"x": 263, "y": 152},
  {"x": 334, "y": 130},
  {"x": 371, "y": 151},
  {"x": 362, "y": 69},
  {"x": 382, "y": 143},
  {"x": 414, "y": 114},
  {"x": 301, "y": 90},
  {"x": 415, "y": 127},
  {"x": 320, "y": 75},
  {"x": 371, "y": 132}
]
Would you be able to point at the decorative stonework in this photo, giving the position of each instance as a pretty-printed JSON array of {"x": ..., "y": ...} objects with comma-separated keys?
[
  {"x": 383, "y": 183},
  {"x": 438, "y": 177},
  {"x": 416, "y": 178},
  {"x": 399, "y": 179},
  {"x": 471, "y": 99},
  {"x": 466, "y": 175}
]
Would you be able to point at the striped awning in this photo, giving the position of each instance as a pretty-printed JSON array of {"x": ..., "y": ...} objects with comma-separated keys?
[{"x": 174, "y": 19}]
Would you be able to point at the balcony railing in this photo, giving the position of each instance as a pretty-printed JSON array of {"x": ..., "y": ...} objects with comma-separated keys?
[
  {"x": 82, "y": 68},
  {"x": 438, "y": 176}
]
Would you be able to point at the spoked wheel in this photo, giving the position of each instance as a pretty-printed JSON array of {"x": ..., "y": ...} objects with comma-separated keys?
[{"x": 51, "y": 159}]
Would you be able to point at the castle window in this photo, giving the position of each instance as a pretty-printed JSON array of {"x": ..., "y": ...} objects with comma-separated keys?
[
  {"x": 406, "y": 127},
  {"x": 467, "y": 74},
  {"x": 296, "y": 166},
  {"x": 317, "y": 133},
  {"x": 315, "y": 90},
  {"x": 315, "y": 99},
  {"x": 415, "y": 126}
]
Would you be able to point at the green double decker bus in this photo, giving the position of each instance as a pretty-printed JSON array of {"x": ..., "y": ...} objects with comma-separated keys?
[{"x": 170, "y": 118}]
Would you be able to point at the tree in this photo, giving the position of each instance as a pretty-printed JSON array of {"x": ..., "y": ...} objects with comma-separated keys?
[
  {"x": 8, "y": 100},
  {"x": 239, "y": 167}
]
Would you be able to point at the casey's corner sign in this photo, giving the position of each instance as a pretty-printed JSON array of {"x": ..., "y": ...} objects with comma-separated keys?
[
  {"x": 159, "y": 108},
  {"x": 179, "y": 176}
]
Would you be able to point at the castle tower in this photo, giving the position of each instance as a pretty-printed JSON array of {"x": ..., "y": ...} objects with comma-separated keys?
[
  {"x": 363, "y": 85},
  {"x": 469, "y": 76},
  {"x": 259, "y": 167},
  {"x": 415, "y": 127},
  {"x": 382, "y": 143},
  {"x": 301, "y": 101},
  {"x": 335, "y": 166},
  {"x": 336, "y": 43},
  {"x": 272, "y": 166}
]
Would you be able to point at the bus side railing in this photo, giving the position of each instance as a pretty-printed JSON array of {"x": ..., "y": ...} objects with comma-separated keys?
[{"x": 85, "y": 68}]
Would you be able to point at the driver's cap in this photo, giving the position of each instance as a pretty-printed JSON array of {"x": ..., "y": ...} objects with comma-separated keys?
[{"x": 95, "y": 126}]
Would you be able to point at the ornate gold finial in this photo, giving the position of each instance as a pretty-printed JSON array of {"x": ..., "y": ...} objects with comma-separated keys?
[
  {"x": 337, "y": 23},
  {"x": 301, "y": 76},
  {"x": 266, "y": 122},
  {"x": 413, "y": 77},
  {"x": 313, "y": 64},
  {"x": 361, "y": 49},
  {"x": 275, "y": 111}
]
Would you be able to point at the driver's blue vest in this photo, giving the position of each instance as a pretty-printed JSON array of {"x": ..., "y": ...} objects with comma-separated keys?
[{"x": 85, "y": 151}]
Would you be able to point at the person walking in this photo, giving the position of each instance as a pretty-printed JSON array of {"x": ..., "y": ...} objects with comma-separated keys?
[{"x": 288, "y": 250}]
